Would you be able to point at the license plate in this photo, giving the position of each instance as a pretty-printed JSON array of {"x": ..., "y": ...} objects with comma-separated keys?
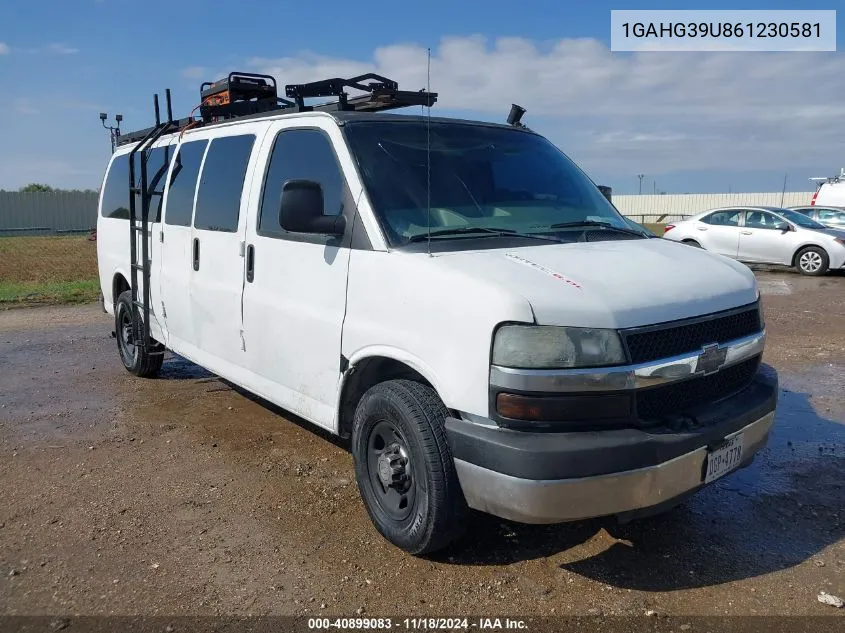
[{"x": 724, "y": 458}]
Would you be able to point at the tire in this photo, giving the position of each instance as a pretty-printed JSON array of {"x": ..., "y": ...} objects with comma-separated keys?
[
  {"x": 691, "y": 243},
  {"x": 812, "y": 261},
  {"x": 400, "y": 450},
  {"x": 136, "y": 361}
]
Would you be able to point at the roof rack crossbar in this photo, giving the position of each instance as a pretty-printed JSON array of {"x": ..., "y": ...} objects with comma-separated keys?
[{"x": 380, "y": 94}]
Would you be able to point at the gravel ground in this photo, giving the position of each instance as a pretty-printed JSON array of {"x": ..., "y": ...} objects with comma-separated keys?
[{"x": 184, "y": 496}]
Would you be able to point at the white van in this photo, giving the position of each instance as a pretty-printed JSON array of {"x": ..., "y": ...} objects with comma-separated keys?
[
  {"x": 456, "y": 297},
  {"x": 830, "y": 192}
]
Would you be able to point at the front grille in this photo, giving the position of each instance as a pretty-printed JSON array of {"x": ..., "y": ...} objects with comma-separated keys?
[
  {"x": 659, "y": 402},
  {"x": 667, "y": 340}
]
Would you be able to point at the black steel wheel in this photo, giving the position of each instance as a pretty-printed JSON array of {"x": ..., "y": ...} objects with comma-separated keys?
[
  {"x": 135, "y": 359},
  {"x": 390, "y": 470},
  {"x": 404, "y": 467}
]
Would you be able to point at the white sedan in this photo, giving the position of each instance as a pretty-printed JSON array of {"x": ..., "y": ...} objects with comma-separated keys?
[{"x": 765, "y": 235}]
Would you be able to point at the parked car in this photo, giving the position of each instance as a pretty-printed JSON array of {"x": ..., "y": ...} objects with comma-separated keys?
[
  {"x": 831, "y": 217},
  {"x": 456, "y": 297},
  {"x": 767, "y": 235}
]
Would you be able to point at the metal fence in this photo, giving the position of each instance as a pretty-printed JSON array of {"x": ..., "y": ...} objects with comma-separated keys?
[
  {"x": 670, "y": 207},
  {"x": 47, "y": 213}
]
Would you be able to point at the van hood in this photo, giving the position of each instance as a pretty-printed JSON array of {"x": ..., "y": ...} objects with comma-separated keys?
[{"x": 612, "y": 284}]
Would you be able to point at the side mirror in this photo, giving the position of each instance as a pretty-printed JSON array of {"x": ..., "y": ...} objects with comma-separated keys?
[
  {"x": 607, "y": 192},
  {"x": 783, "y": 227},
  {"x": 301, "y": 210}
]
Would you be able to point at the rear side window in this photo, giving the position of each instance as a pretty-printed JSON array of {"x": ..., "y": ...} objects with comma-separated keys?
[
  {"x": 723, "y": 218},
  {"x": 157, "y": 165},
  {"x": 222, "y": 182},
  {"x": 183, "y": 183},
  {"x": 300, "y": 155},
  {"x": 116, "y": 192}
]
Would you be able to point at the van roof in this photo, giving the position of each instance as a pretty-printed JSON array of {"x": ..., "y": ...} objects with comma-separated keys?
[{"x": 341, "y": 117}]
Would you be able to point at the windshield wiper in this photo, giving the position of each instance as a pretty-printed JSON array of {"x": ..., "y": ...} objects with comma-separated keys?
[
  {"x": 606, "y": 225},
  {"x": 485, "y": 231},
  {"x": 461, "y": 231}
]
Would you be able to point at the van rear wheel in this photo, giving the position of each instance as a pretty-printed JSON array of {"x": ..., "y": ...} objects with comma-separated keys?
[
  {"x": 404, "y": 467},
  {"x": 136, "y": 360}
]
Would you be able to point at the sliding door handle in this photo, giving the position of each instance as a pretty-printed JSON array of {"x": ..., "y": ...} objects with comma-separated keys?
[
  {"x": 196, "y": 253},
  {"x": 250, "y": 263}
]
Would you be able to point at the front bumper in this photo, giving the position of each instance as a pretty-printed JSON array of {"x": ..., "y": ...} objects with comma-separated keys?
[{"x": 556, "y": 477}]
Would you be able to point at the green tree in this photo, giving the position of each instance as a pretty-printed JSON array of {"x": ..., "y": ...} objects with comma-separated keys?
[{"x": 36, "y": 188}]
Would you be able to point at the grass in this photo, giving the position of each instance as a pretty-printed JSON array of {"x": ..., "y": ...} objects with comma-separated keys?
[
  {"x": 51, "y": 270},
  {"x": 56, "y": 292}
]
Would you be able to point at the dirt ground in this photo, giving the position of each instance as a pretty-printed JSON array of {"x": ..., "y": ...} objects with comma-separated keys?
[{"x": 184, "y": 496}]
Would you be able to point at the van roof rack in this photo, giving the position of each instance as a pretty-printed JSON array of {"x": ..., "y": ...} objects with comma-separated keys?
[
  {"x": 242, "y": 95},
  {"x": 840, "y": 177}
]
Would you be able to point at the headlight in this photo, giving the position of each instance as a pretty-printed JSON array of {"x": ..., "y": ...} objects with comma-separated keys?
[{"x": 547, "y": 347}]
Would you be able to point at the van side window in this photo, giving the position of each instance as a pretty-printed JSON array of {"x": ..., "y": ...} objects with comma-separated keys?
[
  {"x": 222, "y": 183},
  {"x": 300, "y": 155},
  {"x": 157, "y": 165},
  {"x": 183, "y": 183},
  {"x": 116, "y": 191}
]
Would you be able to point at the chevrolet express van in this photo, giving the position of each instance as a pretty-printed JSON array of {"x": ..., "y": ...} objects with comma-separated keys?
[{"x": 456, "y": 297}]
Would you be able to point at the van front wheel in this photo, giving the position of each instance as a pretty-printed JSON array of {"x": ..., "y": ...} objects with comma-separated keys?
[
  {"x": 404, "y": 467},
  {"x": 135, "y": 359}
]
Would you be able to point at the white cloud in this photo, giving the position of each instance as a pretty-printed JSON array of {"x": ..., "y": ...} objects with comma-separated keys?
[
  {"x": 4, "y": 48},
  {"x": 664, "y": 111},
  {"x": 24, "y": 106},
  {"x": 194, "y": 72},
  {"x": 58, "y": 48}
]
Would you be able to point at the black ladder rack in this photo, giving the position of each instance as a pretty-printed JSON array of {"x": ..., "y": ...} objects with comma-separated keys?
[
  {"x": 141, "y": 299},
  {"x": 380, "y": 94}
]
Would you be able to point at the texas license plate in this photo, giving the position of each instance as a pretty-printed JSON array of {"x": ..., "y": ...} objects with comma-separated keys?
[{"x": 724, "y": 458}]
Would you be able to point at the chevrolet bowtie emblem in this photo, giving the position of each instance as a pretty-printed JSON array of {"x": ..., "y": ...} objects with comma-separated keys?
[{"x": 711, "y": 359}]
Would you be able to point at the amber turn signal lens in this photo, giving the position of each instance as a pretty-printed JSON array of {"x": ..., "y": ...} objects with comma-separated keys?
[{"x": 517, "y": 407}]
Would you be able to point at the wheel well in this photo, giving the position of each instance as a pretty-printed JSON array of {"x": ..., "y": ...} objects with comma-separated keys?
[
  {"x": 119, "y": 285},
  {"x": 804, "y": 248},
  {"x": 689, "y": 240},
  {"x": 362, "y": 376}
]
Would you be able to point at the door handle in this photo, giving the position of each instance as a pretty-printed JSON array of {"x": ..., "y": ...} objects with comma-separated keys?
[
  {"x": 701, "y": 228},
  {"x": 746, "y": 232},
  {"x": 196, "y": 253},
  {"x": 250, "y": 263}
]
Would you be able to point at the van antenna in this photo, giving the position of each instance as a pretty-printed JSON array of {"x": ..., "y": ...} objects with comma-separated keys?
[{"x": 428, "y": 152}]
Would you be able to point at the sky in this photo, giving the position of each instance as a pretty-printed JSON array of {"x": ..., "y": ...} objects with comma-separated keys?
[{"x": 685, "y": 121}]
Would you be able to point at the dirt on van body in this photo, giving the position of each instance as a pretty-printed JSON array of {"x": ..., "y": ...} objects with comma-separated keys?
[{"x": 184, "y": 496}]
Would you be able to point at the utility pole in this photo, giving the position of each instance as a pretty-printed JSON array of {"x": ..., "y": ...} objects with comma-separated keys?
[
  {"x": 641, "y": 176},
  {"x": 654, "y": 185}
]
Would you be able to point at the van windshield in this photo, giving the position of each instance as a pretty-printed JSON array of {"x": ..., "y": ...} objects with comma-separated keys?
[{"x": 497, "y": 180}]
